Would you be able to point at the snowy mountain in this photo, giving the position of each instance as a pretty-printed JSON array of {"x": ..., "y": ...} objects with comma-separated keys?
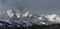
[{"x": 16, "y": 18}]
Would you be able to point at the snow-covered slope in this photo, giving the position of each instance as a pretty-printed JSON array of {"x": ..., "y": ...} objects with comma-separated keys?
[
  {"x": 50, "y": 19},
  {"x": 15, "y": 18}
]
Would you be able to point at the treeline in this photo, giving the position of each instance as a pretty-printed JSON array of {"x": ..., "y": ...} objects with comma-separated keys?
[{"x": 54, "y": 26}]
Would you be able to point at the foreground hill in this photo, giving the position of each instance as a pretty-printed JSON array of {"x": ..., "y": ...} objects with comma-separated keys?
[{"x": 54, "y": 26}]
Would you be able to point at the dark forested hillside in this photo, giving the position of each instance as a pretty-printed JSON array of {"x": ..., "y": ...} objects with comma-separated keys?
[{"x": 54, "y": 26}]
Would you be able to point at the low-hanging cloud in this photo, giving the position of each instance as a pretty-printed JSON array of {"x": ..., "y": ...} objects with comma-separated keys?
[{"x": 39, "y": 6}]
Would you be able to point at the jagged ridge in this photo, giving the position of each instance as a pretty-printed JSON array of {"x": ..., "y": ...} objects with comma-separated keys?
[{"x": 16, "y": 18}]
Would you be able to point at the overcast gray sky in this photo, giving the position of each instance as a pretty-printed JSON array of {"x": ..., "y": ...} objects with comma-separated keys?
[{"x": 35, "y": 6}]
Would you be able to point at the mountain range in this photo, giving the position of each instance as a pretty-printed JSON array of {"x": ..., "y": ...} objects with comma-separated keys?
[{"x": 16, "y": 18}]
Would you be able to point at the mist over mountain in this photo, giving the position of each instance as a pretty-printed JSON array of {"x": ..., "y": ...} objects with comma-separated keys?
[
  {"x": 34, "y": 6},
  {"x": 29, "y": 12}
]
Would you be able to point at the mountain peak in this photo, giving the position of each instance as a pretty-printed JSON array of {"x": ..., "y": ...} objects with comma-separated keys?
[{"x": 10, "y": 13}]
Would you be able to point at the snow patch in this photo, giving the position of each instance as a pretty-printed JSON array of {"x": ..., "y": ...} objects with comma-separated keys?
[{"x": 10, "y": 13}]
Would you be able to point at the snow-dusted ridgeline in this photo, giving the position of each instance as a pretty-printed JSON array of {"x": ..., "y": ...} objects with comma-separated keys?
[{"x": 29, "y": 19}]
